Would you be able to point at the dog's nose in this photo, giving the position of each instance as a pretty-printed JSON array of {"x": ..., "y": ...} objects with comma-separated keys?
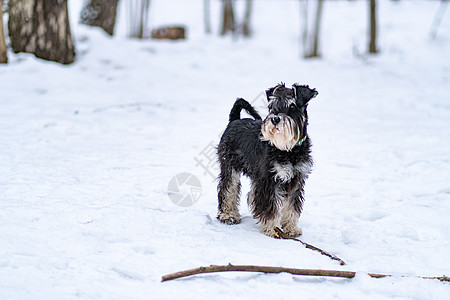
[{"x": 275, "y": 120}]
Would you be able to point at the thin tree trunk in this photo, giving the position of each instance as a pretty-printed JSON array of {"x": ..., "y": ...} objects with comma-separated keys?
[
  {"x": 3, "y": 54},
  {"x": 246, "y": 29},
  {"x": 41, "y": 27},
  {"x": 313, "y": 43},
  {"x": 138, "y": 16},
  {"x": 141, "y": 17},
  {"x": 207, "y": 16},
  {"x": 146, "y": 14},
  {"x": 317, "y": 28},
  {"x": 228, "y": 23},
  {"x": 304, "y": 10},
  {"x": 373, "y": 28},
  {"x": 438, "y": 18},
  {"x": 101, "y": 13}
]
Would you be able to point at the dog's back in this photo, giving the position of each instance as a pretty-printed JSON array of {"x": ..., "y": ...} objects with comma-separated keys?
[{"x": 241, "y": 135}]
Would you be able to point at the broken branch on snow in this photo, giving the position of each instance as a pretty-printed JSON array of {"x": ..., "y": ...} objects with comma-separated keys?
[
  {"x": 286, "y": 236},
  {"x": 266, "y": 269}
]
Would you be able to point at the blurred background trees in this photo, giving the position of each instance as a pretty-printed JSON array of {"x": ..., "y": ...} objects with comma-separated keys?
[
  {"x": 42, "y": 27},
  {"x": 230, "y": 24}
]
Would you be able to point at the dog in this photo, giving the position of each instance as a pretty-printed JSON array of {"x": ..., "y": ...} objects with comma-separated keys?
[{"x": 275, "y": 153}]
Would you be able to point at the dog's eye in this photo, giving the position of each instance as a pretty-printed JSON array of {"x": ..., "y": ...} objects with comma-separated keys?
[{"x": 292, "y": 106}]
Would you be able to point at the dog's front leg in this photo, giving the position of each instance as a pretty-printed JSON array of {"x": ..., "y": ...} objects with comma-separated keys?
[
  {"x": 265, "y": 202},
  {"x": 289, "y": 218},
  {"x": 292, "y": 207},
  {"x": 268, "y": 226}
]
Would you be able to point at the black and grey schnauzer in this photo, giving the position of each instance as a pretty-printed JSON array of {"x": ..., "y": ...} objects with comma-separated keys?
[{"x": 274, "y": 153}]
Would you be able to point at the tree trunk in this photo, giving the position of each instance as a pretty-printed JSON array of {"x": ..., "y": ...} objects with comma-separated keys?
[
  {"x": 315, "y": 52},
  {"x": 207, "y": 16},
  {"x": 246, "y": 30},
  {"x": 373, "y": 28},
  {"x": 311, "y": 38},
  {"x": 228, "y": 23},
  {"x": 101, "y": 13},
  {"x": 41, "y": 27},
  {"x": 3, "y": 56},
  {"x": 438, "y": 18},
  {"x": 304, "y": 39},
  {"x": 138, "y": 18}
]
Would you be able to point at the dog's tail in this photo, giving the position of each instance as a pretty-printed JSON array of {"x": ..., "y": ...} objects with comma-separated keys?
[{"x": 235, "y": 113}]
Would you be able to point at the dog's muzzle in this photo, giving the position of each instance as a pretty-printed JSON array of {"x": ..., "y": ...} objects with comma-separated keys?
[{"x": 281, "y": 131}]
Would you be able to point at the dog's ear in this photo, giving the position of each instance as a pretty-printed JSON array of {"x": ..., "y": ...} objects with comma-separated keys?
[
  {"x": 303, "y": 93},
  {"x": 270, "y": 91}
]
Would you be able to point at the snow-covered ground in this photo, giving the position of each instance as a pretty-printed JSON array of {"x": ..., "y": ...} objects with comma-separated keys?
[{"x": 87, "y": 152}]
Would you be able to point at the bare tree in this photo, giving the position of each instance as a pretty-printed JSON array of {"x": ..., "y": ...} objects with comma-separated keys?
[
  {"x": 246, "y": 29},
  {"x": 138, "y": 18},
  {"x": 310, "y": 38},
  {"x": 228, "y": 22},
  {"x": 438, "y": 18},
  {"x": 101, "y": 13},
  {"x": 41, "y": 27},
  {"x": 207, "y": 16},
  {"x": 373, "y": 27},
  {"x": 315, "y": 50},
  {"x": 304, "y": 30},
  {"x": 3, "y": 55}
]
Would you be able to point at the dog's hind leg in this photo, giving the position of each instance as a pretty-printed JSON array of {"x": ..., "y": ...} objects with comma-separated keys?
[
  {"x": 229, "y": 189},
  {"x": 251, "y": 195}
]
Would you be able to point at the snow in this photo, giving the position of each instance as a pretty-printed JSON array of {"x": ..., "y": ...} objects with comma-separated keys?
[{"x": 88, "y": 151}]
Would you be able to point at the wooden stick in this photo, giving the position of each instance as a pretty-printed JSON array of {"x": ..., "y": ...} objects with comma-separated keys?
[
  {"x": 309, "y": 246},
  {"x": 266, "y": 269}
]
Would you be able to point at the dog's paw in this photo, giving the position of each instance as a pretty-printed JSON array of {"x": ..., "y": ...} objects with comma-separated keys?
[
  {"x": 229, "y": 219},
  {"x": 293, "y": 231},
  {"x": 271, "y": 232}
]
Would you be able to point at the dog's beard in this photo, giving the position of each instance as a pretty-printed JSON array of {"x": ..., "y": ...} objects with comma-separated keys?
[{"x": 284, "y": 136}]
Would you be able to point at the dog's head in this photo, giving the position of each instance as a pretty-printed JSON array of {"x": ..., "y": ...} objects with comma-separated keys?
[{"x": 285, "y": 126}]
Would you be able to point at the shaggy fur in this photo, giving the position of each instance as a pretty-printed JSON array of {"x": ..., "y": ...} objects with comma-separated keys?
[{"x": 275, "y": 154}]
